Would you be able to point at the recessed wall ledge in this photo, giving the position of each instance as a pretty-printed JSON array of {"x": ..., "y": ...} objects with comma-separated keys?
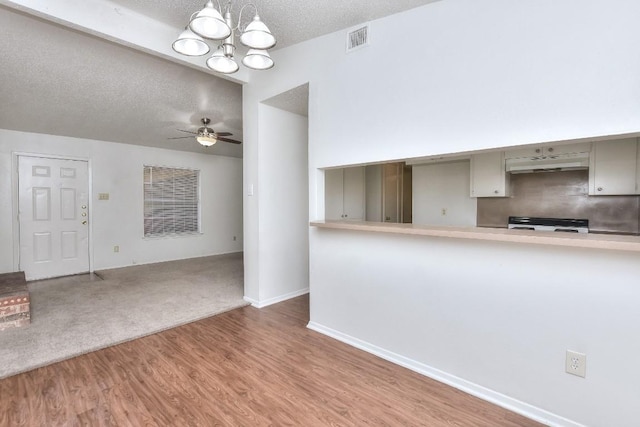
[{"x": 589, "y": 241}]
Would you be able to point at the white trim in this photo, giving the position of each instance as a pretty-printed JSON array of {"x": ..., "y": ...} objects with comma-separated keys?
[
  {"x": 15, "y": 223},
  {"x": 91, "y": 205},
  {"x": 112, "y": 267},
  {"x": 274, "y": 300},
  {"x": 254, "y": 303},
  {"x": 15, "y": 155},
  {"x": 514, "y": 405}
]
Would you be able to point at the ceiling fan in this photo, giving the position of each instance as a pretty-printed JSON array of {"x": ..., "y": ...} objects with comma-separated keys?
[{"x": 207, "y": 136}]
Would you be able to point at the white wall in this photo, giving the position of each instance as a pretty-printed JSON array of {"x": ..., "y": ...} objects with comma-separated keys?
[
  {"x": 478, "y": 75},
  {"x": 492, "y": 318},
  {"x": 443, "y": 186},
  {"x": 117, "y": 169},
  {"x": 283, "y": 243},
  {"x": 467, "y": 75}
]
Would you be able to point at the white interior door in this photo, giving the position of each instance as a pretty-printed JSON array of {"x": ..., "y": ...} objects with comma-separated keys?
[{"x": 53, "y": 216}]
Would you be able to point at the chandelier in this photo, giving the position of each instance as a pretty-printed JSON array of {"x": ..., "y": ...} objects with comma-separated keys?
[{"x": 209, "y": 23}]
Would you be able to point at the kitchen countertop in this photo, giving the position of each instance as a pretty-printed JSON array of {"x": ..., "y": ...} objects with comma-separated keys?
[{"x": 589, "y": 240}]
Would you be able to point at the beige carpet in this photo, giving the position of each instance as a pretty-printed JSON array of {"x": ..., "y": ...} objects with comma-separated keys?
[{"x": 78, "y": 314}]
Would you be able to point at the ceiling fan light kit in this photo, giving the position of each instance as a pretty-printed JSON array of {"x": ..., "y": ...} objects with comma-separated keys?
[
  {"x": 209, "y": 23},
  {"x": 206, "y": 141},
  {"x": 207, "y": 136}
]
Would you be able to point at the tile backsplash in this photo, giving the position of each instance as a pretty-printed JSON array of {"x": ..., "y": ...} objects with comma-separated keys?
[{"x": 561, "y": 195}]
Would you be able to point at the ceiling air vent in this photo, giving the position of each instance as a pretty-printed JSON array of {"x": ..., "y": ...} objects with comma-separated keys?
[{"x": 357, "y": 38}]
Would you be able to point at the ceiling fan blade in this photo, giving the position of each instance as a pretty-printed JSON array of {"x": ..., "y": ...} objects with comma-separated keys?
[
  {"x": 233, "y": 141},
  {"x": 223, "y": 133},
  {"x": 187, "y": 131},
  {"x": 181, "y": 137}
]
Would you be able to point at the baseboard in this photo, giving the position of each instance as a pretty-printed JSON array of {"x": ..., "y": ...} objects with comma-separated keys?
[
  {"x": 254, "y": 303},
  {"x": 274, "y": 300},
  {"x": 163, "y": 260},
  {"x": 514, "y": 405}
]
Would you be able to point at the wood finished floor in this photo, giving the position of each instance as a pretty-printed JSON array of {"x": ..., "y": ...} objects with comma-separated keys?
[{"x": 246, "y": 367}]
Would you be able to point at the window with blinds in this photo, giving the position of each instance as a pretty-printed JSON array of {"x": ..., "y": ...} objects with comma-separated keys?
[{"x": 171, "y": 201}]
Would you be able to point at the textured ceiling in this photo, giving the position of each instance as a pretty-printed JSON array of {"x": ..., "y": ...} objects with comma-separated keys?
[
  {"x": 295, "y": 100},
  {"x": 61, "y": 81},
  {"x": 291, "y": 21}
]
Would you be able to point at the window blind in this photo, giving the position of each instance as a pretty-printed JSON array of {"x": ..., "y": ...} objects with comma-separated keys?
[{"x": 171, "y": 201}]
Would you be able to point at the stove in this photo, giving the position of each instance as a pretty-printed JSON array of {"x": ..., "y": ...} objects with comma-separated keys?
[{"x": 566, "y": 225}]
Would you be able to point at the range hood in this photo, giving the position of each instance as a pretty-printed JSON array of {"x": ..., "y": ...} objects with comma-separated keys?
[{"x": 559, "y": 162}]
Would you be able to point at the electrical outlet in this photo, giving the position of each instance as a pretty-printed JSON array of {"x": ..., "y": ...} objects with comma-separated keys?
[
  {"x": 116, "y": 249},
  {"x": 444, "y": 211},
  {"x": 576, "y": 363}
]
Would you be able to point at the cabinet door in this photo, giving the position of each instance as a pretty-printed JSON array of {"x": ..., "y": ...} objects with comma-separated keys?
[
  {"x": 488, "y": 177},
  {"x": 523, "y": 152},
  {"x": 583, "y": 147},
  {"x": 333, "y": 193},
  {"x": 353, "y": 193},
  {"x": 613, "y": 167}
]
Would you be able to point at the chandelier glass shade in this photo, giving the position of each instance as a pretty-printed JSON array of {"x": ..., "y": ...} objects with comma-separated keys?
[
  {"x": 257, "y": 35},
  {"x": 222, "y": 63},
  {"x": 209, "y": 23},
  {"x": 212, "y": 24},
  {"x": 190, "y": 44},
  {"x": 257, "y": 59}
]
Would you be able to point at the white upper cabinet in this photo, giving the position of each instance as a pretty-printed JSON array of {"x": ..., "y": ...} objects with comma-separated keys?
[
  {"x": 344, "y": 192},
  {"x": 488, "y": 176},
  {"x": 613, "y": 168}
]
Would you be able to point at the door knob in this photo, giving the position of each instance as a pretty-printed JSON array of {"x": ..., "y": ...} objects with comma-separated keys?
[
  {"x": 84, "y": 214},
  {"x": 84, "y": 222}
]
